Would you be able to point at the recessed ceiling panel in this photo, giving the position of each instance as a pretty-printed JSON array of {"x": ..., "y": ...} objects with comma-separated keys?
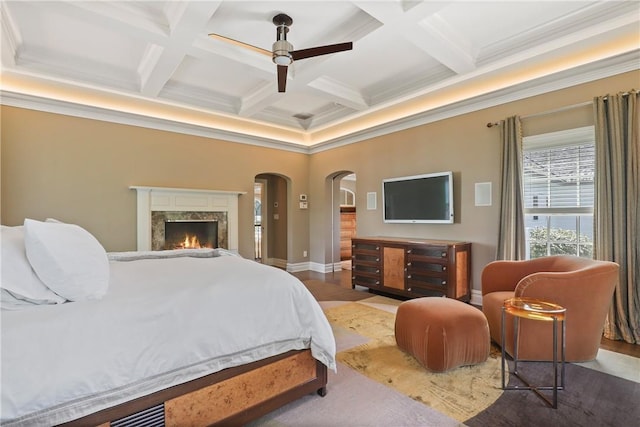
[
  {"x": 485, "y": 23},
  {"x": 226, "y": 77},
  {"x": 65, "y": 37}
]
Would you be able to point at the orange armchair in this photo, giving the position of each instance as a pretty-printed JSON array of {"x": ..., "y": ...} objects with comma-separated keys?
[{"x": 583, "y": 286}]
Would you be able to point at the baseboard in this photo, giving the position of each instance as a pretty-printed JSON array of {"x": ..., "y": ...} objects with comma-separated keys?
[
  {"x": 476, "y": 297},
  {"x": 275, "y": 262},
  {"x": 312, "y": 266},
  {"x": 298, "y": 267},
  {"x": 304, "y": 266}
]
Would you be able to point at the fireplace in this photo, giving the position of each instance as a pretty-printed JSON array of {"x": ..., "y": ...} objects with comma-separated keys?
[
  {"x": 165, "y": 223},
  {"x": 169, "y": 229},
  {"x": 157, "y": 206},
  {"x": 185, "y": 234}
]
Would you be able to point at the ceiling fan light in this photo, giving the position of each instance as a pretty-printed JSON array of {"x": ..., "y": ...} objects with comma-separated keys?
[
  {"x": 282, "y": 59},
  {"x": 281, "y": 55}
]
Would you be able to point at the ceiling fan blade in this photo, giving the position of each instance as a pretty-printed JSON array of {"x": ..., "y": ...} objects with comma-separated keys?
[
  {"x": 241, "y": 44},
  {"x": 282, "y": 77},
  {"x": 320, "y": 50}
]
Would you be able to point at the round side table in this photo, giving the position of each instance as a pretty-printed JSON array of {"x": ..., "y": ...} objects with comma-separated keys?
[{"x": 535, "y": 309}]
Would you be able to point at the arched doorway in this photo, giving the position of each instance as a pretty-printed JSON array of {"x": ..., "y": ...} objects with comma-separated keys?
[
  {"x": 270, "y": 227},
  {"x": 347, "y": 218},
  {"x": 343, "y": 217}
]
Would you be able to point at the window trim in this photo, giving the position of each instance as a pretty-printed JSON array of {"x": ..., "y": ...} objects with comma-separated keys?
[{"x": 548, "y": 141}]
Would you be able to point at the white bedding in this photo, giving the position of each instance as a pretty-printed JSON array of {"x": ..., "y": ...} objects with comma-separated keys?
[{"x": 163, "y": 322}]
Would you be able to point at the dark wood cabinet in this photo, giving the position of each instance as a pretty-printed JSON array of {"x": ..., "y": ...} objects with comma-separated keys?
[{"x": 412, "y": 267}]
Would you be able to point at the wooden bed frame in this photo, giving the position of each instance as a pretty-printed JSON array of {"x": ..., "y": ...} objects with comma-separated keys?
[{"x": 233, "y": 396}]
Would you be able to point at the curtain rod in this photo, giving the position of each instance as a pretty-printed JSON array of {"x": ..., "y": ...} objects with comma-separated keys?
[
  {"x": 621, "y": 94},
  {"x": 545, "y": 113},
  {"x": 557, "y": 110}
]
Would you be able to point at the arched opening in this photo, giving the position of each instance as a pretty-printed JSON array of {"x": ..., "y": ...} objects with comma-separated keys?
[
  {"x": 270, "y": 212},
  {"x": 342, "y": 188},
  {"x": 347, "y": 218}
]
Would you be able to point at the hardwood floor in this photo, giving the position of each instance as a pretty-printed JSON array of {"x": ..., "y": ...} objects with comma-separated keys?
[{"x": 343, "y": 280}]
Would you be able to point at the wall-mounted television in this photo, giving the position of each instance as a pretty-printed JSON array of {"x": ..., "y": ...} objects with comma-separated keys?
[{"x": 426, "y": 198}]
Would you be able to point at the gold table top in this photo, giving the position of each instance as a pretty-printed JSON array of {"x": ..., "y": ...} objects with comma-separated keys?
[{"x": 536, "y": 309}]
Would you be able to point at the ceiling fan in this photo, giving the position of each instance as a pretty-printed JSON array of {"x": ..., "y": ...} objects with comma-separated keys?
[{"x": 282, "y": 52}]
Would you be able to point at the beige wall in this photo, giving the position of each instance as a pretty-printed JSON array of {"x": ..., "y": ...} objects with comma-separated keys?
[
  {"x": 461, "y": 144},
  {"x": 79, "y": 170}
]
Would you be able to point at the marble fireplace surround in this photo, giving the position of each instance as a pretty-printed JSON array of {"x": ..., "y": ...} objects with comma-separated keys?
[{"x": 186, "y": 203}]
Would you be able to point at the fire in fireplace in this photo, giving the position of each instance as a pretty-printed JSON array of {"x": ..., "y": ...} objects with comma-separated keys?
[{"x": 190, "y": 234}]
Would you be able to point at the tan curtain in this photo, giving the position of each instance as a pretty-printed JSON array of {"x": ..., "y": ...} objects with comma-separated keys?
[
  {"x": 511, "y": 237},
  {"x": 616, "y": 212}
]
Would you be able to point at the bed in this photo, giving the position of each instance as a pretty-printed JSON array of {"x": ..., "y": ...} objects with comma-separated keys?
[{"x": 192, "y": 337}]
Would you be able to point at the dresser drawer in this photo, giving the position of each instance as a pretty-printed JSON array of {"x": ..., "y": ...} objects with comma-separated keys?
[
  {"x": 428, "y": 254},
  {"x": 362, "y": 269}
]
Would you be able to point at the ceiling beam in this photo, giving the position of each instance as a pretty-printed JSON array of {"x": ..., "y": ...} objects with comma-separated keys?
[
  {"x": 188, "y": 21},
  {"x": 421, "y": 25},
  {"x": 435, "y": 36},
  {"x": 339, "y": 92}
]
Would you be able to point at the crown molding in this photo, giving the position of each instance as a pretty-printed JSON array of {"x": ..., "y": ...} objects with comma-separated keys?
[
  {"x": 31, "y": 102},
  {"x": 561, "y": 80}
]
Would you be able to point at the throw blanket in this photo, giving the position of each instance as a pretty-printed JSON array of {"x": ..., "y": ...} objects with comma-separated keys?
[{"x": 173, "y": 253}]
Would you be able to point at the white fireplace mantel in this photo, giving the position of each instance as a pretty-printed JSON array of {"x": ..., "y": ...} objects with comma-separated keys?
[{"x": 152, "y": 199}]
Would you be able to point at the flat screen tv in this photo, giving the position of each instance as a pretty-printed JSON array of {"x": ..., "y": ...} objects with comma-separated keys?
[{"x": 426, "y": 198}]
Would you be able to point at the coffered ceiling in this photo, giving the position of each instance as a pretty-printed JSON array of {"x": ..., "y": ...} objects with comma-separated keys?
[{"x": 153, "y": 62}]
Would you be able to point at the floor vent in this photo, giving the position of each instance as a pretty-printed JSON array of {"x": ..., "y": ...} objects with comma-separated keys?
[{"x": 152, "y": 417}]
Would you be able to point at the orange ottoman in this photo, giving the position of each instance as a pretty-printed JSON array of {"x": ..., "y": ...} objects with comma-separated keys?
[{"x": 442, "y": 333}]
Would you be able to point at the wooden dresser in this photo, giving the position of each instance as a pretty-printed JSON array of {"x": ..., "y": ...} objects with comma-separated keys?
[{"x": 412, "y": 267}]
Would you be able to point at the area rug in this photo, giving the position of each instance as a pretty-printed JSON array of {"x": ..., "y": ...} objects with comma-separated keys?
[
  {"x": 460, "y": 393},
  {"x": 603, "y": 393},
  {"x": 590, "y": 398}
]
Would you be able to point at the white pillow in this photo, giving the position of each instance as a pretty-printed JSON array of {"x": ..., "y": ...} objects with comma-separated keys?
[
  {"x": 17, "y": 275},
  {"x": 68, "y": 259}
]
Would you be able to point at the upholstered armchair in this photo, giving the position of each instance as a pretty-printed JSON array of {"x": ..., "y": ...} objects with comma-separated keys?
[{"x": 583, "y": 286}]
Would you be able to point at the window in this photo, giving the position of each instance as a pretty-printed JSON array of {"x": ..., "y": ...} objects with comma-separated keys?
[
  {"x": 347, "y": 197},
  {"x": 558, "y": 171}
]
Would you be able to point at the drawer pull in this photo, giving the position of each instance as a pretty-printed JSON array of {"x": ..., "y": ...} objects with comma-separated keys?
[
  {"x": 377, "y": 259},
  {"x": 377, "y": 282},
  {"x": 408, "y": 251},
  {"x": 444, "y": 268},
  {"x": 408, "y": 276},
  {"x": 409, "y": 289},
  {"x": 409, "y": 264},
  {"x": 377, "y": 248},
  {"x": 444, "y": 282},
  {"x": 377, "y": 271},
  {"x": 444, "y": 254}
]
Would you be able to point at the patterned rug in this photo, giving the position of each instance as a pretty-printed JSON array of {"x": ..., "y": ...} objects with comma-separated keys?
[
  {"x": 603, "y": 393},
  {"x": 460, "y": 393}
]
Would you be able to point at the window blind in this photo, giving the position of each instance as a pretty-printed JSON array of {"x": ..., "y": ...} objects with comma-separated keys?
[{"x": 558, "y": 172}]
